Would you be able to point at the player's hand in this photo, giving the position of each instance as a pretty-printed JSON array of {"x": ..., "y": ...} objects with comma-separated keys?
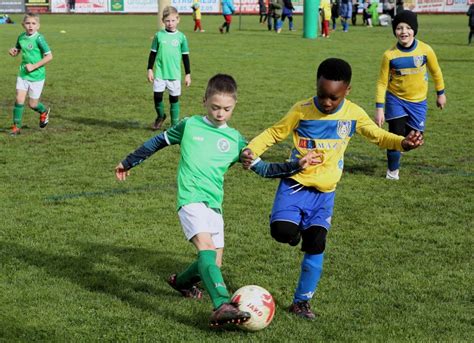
[
  {"x": 312, "y": 158},
  {"x": 187, "y": 80},
  {"x": 441, "y": 101},
  {"x": 29, "y": 67},
  {"x": 150, "y": 77},
  {"x": 379, "y": 117},
  {"x": 246, "y": 157},
  {"x": 13, "y": 52},
  {"x": 413, "y": 140},
  {"x": 120, "y": 172}
]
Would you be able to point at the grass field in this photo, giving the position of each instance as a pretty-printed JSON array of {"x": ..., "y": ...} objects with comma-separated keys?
[{"x": 85, "y": 258}]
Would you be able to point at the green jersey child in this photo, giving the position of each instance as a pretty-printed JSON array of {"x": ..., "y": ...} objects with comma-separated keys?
[
  {"x": 208, "y": 148},
  {"x": 168, "y": 48},
  {"x": 35, "y": 54}
]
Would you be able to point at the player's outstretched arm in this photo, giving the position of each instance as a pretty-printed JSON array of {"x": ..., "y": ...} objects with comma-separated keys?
[
  {"x": 121, "y": 173},
  {"x": 281, "y": 170},
  {"x": 312, "y": 158},
  {"x": 246, "y": 158},
  {"x": 413, "y": 140}
]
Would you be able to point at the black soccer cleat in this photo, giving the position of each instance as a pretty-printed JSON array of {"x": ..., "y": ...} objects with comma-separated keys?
[
  {"x": 228, "y": 313},
  {"x": 192, "y": 292}
]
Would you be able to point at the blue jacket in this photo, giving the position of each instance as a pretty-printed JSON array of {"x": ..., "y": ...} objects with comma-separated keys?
[{"x": 227, "y": 7}]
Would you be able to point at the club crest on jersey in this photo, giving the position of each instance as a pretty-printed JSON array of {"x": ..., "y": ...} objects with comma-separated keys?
[
  {"x": 175, "y": 42},
  {"x": 223, "y": 145},
  {"x": 344, "y": 128},
  {"x": 30, "y": 46},
  {"x": 418, "y": 61}
]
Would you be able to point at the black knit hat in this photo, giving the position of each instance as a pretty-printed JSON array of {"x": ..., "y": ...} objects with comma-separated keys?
[{"x": 407, "y": 17}]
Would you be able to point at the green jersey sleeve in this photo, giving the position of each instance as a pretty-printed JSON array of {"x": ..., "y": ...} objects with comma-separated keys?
[
  {"x": 175, "y": 133},
  {"x": 17, "y": 45},
  {"x": 184, "y": 45},
  {"x": 154, "y": 43},
  {"x": 44, "y": 47}
]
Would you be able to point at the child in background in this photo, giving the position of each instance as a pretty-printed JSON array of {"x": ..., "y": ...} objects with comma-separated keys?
[
  {"x": 334, "y": 13},
  {"x": 303, "y": 206},
  {"x": 287, "y": 12},
  {"x": 227, "y": 11},
  {"x": 196, "y": 6},
  {"x": 470, "y": 13},
  {"x": 325, "y": 6},
  {"x": 346, "y": 13},
  {"x": 32, "y": 73},
  {"x": 208, "y": 148},
  {"x": 168, "y": 48},
  {"x": 403, "y": 85},
  {"x": 262, "y": 8}
]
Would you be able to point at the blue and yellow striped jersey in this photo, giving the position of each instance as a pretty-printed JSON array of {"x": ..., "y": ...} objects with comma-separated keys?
[
  {"x": 404, "y": 73},
  {"x": 326, "y": 133}
]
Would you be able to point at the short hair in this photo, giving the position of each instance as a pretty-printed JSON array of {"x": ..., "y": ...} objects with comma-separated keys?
[
  {"x": 221, "y": 84},
  {"x": 31, "y": 15},
  {"x": 168, "y": 10},
  {"x": 335, "y": 69}
]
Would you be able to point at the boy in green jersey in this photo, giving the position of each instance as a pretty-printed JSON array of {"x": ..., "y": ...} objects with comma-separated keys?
[
  {"x": 209, "y": 147},
  {"x": 168, "y": 48},
  {"x": 35, "y": 54}
]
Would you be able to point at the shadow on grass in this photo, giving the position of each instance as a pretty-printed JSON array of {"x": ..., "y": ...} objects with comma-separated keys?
[
  {"x": 115, "y": 124},
  {"x": 82, "y": 269}
]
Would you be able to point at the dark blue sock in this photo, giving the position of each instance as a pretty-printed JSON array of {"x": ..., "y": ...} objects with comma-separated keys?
[
  {"x": 393, "y": 159},
  {"x": 311, "y": 269}
]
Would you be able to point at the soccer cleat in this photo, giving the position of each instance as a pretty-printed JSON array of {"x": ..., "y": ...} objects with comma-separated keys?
[
  {"x": 228, "y": 313},
  {"x": 392, "y": 174},
  {"x": 193, "y": 292},
  {"x": 302, "y": 309},
  {"x": 44, "y": 118},
  {"x": 15, "y": 130},
  {"x": 221, "y": 29},
  {"x": 158, "y": 123}
]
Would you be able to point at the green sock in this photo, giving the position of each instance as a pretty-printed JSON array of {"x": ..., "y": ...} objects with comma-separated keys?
[
  {"x": 160, "y": 110},
  {"x": 188, "y": 277},
  {"x": 174, "y": 112},
  {"x": 18, "y": 114},
  {"x": 40, "y": 108},
  {"x": 212, "y": 277}
]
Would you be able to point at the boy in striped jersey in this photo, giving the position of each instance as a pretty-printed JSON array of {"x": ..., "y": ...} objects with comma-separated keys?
[{"x": 403, "y": 84}]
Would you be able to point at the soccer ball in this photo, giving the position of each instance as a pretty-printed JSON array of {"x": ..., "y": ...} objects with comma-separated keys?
[{"x": 259, "y": 303}]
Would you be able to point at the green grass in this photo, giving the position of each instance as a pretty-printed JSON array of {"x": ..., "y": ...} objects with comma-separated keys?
[{"x": 85, "y": 258}]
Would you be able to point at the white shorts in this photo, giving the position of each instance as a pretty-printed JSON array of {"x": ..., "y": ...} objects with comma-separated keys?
[
  {"x": 198, "y": 218},
  {"x": 34, "y": 88},
  {"x": 173, "y": 86}
]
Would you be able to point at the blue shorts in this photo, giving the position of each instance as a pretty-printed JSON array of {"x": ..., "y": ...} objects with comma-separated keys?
[
  {"x": 304, "y": 206},
  {"x": 415, "y": 111}
]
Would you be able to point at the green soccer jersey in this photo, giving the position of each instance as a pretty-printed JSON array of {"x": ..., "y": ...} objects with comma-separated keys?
[
  {"x": 33, "y": 48},
  {"x": 169, "y": 46},
  {"x": 207, "y": 152}
]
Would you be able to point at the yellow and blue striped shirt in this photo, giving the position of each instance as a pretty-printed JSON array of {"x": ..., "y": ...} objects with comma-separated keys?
[
  {"x": 326, "y": 133},
  {"x": 404, "y": 73}
]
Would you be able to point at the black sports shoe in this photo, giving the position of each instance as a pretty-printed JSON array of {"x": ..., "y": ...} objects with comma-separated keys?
[
  {"x": 302, "y": 309},
  {"x": 193, "y": 292},
  {"x": 228, "y": 313}
]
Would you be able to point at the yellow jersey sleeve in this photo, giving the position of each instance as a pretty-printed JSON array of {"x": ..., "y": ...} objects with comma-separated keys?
[{"x": 276, "y": 133}]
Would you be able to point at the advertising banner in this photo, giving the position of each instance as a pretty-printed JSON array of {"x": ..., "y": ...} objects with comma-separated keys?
[
  {"x": 82, "y": 6},
  {"x": 37, "y": 6},
  {"x": 12, "y": 6},
  {"x": 437, "y": 6},
  {"x": 141, "y": 6}
]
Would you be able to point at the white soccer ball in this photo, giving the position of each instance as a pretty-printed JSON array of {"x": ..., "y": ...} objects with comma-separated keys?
[{"x": 259, "y": 303}]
